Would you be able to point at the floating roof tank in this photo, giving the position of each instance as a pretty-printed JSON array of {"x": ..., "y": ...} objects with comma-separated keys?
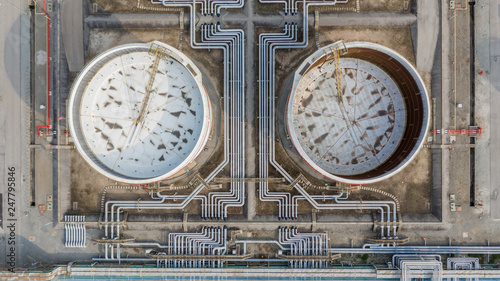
[
  {"x": 139, "y": 113},
  {"x": 377, "y": 128}
]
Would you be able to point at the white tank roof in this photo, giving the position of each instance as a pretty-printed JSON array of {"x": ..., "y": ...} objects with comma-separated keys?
[
  {"x": 367, "y": 137},
  {"x": 105, "y": 104},
  {"x": 353, "y": 137}
]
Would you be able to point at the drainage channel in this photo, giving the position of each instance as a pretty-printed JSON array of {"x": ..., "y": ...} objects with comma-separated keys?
[{"x": 472, "y": 104}]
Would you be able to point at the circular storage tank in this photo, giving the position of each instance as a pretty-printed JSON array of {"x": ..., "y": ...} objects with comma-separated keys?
[
  {"x": 374, "y": 130},
  {"x": 135, "y": 126}
]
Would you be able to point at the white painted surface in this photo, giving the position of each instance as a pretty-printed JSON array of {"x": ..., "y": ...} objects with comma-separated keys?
[
  {"x": 356, "y": 136},
  {"x": 176, "y": 121},
  {"x": 383, "y": 153}
]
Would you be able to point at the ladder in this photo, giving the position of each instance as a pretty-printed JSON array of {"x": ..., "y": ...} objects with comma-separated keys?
[
  {"x": 338, "y": 74},
  {"x": 159, "y": 54}
]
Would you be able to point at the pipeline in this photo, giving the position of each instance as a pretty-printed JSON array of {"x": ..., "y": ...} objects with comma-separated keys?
[
  {"x": 75, "y": 232},
  {"x": 210, "y": 242},
  {"x": 232, "y": 43},
  {"x": 441, "y": 250},
  {"x": 268, "y": 44},
  {"x": 216, "y": 204},
  {"x": 303, "y": 245},
  {"x": 208, "y": 7},
  {"x": 300, "y": 250}
]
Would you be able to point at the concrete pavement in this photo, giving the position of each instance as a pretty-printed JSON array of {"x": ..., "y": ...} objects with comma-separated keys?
[
  {"x": 494, "y": 77},
  {"x": 42, "y": 103},
  {"x": 250, "y": 134},
  {"x": 482, "y": 105},
  {"x": 132, "y": 20},
  {"x": 23, "y": 222},
  {"x": 427, "y": 29},
  {"x": 14, "y": 80},
  {"x": 325, "y": 19},
  {"x": 72, "y": 33},
  {"x": 47, "y": 237}
]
